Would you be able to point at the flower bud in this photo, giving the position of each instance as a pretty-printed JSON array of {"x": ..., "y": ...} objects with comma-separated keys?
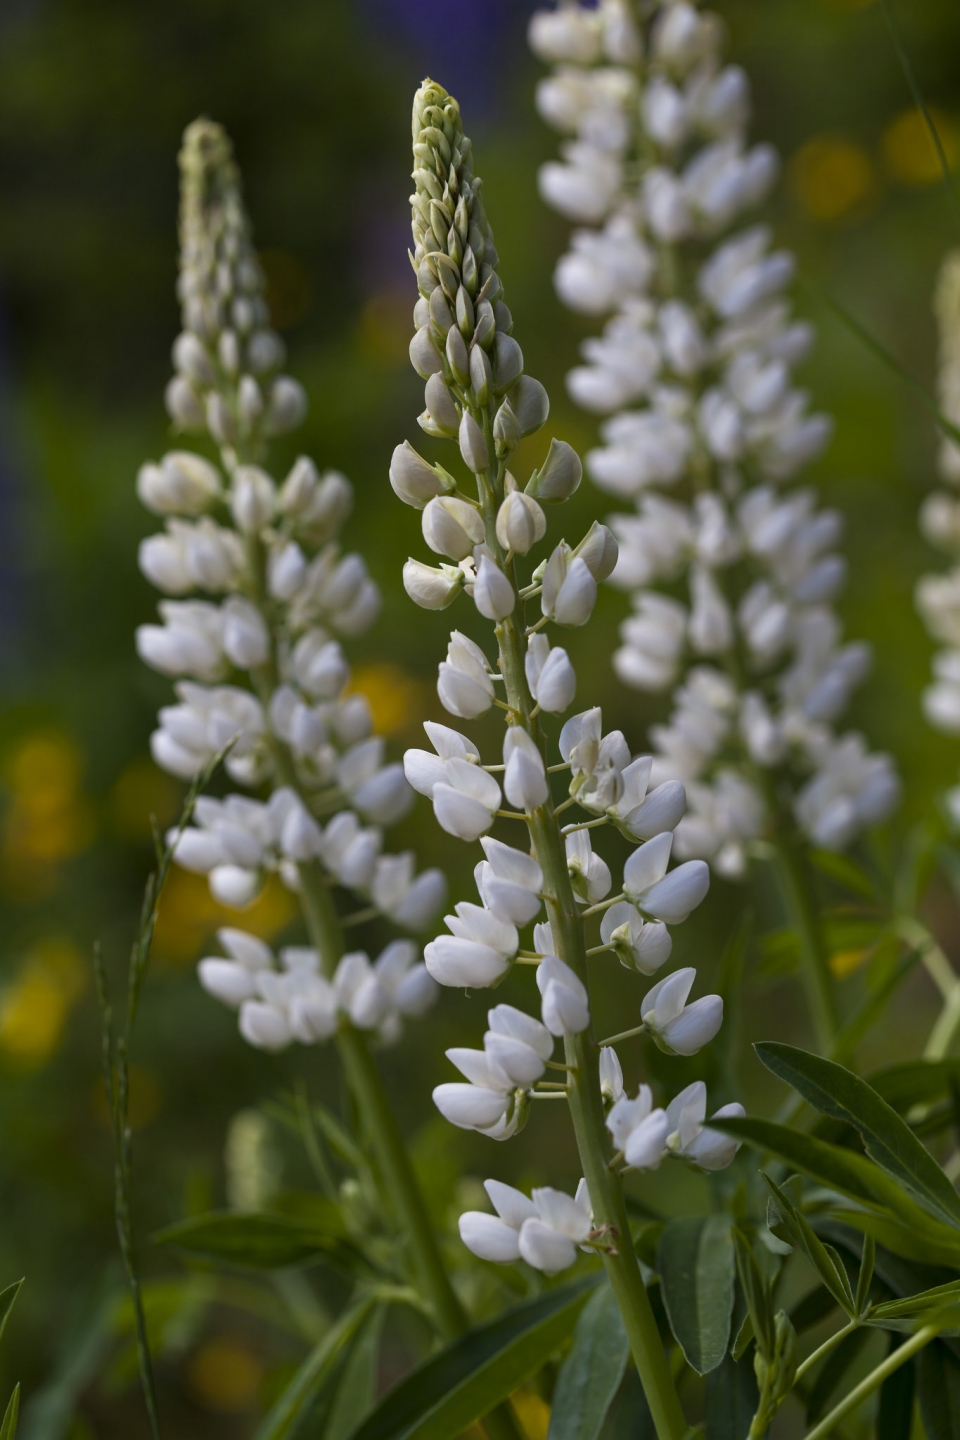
[
  {"x": 465, "y": 315},
  {"x": 249, "y": 402},
  {"x": 452, "y": 527},
  {"x": 191, "y": 359},
  {"x": 440, "y": 407},
  {"x": 220, "y": 420},
  {"x": 473, "y": 447},
  {"x": 493, "y": 594},
  {"x": 599, "y": 551},
  {"x": 506, "y": 430},
  {"x": 182, "y": 484},
  {"x": 520, "y": 523},
  {"x": 184, "y": 405},
  {"x": 559, "y": 475},
  {"x": 440, "y": 316},
  {"x": 525, "y": 779},
  {"x": 246, "y": 642},
  {"x": 265, "y": 351},
  {"x": 530, "y": 403},
  {"x": 234, "y": 886},
  {"x": 457, "y": 357},
  {"x": 672, "y": 898},
  {"x": 507, "y": 362},
  {"x": 285, "y": 571},
  {"x": 412, "y": 478},
  {"x": 481, "y": 375},
  {"x": 569, "y": 590},
  {"x": 286, "y": 406},
  {"x": 430, "y": 587},
  {"x": 550, "y": 675},
  {"x": 424, "y": 355},
  {"x": 252, "y": 498}
]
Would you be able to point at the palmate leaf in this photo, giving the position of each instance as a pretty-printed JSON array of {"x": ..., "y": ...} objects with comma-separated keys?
[
  {"x": 695, "y": 1262},
  {"x": 846, "y": 1172},
  {"x": 473, "y": 1374},
  {"x": 835, "y": 1091},
  {"x": 903, "y": 1240},
  {"x": 591, "y": 1374},
  {"x": 312, "y": 1395},
  {"x": 797, "y": 1231},
  {"x": 262, "y": 1241}
]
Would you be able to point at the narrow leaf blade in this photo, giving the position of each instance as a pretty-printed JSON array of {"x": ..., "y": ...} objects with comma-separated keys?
[
  {"x": 9, "y": 1427},
  {"x": 262, "y": 1241},
  {"x": 314, "y": 1373},
  {"x": 7, "y": 1300}
]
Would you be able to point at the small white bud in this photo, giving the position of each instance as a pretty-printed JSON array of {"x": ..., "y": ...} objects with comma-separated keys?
[
  {"x": 285, "y": 571},
  {"x": 530, "y": 404},
  {"x": 246, "y": 641},
  {"x": 249, "y": 402},
  {"x": 599, "y": 551},
  {"x": 506, "y": 430},
  {"x": 452, "y": 527},
  {"x": 507, "y": 362},
  {"x": 559, "y": 475},
  {"x": 481, "y": 375},
  {"x": 286, "y": 406},
  {"x": 525, "y": 780},
  {"x": 192, "y": 360},
  {"x": 424, "y": 355},
  {"x": 520, "y": 523},
  {"x": 413, "y": 480},
  {"x": 184, "y": 406},
  {"x": 473, "y": 447},
  {"x": 554, "y": 684},
  {"x": 252, "y": 498},
  {"x": 432, "y": 587},
  {"x": 493, "y": 594},
  {"x": 220, "y": 420},
  {"x": 440, "y": 406},
  {"x": 182, "y": 484},
  {"x": 234, "y": 886}
]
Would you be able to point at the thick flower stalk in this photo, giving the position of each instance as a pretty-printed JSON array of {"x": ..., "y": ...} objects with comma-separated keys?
[
  {"x": 732, "y": 570},
  {"x": 938, "y": 595},
  {"x": 478, "y": 396},
  {"x": 260, "y": 596}
]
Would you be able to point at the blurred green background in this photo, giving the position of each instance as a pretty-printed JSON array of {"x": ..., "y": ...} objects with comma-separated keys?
[{"x": 93, "y": 97}]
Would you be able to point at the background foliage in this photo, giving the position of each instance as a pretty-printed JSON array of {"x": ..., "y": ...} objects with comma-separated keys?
[{"x": 93, "y": 97}]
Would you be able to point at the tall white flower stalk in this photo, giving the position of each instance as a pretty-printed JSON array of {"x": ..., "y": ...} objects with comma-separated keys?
[
  {"x": 259, "y": 594},
  {"x": 732, "y": 569},
  {"x": 478, "y": 396}
]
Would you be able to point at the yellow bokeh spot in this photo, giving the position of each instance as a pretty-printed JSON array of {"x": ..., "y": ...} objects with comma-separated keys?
[
  {"x": 533, "y": 1412},
  {"x": 396, "y": 699},
  {"x": 832, "y": 177},
  {"x": 385, "y": 328},
  {"x": 909, "y": 153},
  {"x": 189, "y": 915},
  {"x": 845, "y": 962},
  {"x": 226, "y": 1376},
  {"x": 35, "y": 1006},
  {"x": 142, "y": 791},
  {"x": 47, "y": 818}
]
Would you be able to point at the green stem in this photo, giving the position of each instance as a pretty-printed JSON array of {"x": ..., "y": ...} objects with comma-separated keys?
[
  {"x": 581, "y": 1051},
  {"x": 825, "y": 1348},
  {"x": 947, "y": 981},
  {"x": 873, "y": 1381},
  {"x": 793, "y": 873}
]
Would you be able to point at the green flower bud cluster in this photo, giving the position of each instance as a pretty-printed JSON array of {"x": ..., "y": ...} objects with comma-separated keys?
[{"x": 226, "y": 356}]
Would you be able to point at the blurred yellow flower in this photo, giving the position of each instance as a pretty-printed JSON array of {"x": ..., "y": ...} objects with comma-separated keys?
[
  {"x": 909, "y": 153},
  {"x": 47, "y": 819},
  {"x": 35, "y": 1005},
  {"x": 189, "y": 915},
  {"x": 396, "y": 699},
  {"x": 226, "y": 1375},
  {"x": 142, "y": 790},
  {"x": 845, "y": 962},
  {"x": 833, "y": 178}
]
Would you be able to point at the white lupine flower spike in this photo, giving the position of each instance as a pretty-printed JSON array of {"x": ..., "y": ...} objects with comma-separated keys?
[
  {"x": 702, "y": 433},
  {"x": 475, "y": 369},
  {"x": 258, "y": 598}
]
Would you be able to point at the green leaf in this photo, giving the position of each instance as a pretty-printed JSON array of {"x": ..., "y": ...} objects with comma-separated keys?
[
  {"x": 7, "y": 1300},
  {"x": 732, "y": 1399},
  {"x": 839, "y": 1169},
  {"x": 836, "y": 1091},
  {"x": 591, "y": 1374},
  {"x": 263, "y": 1241},
  {"x": 798, "y": 1232},
  {"x": 865, "y": 1277},
  {"x": 357, "y": 1390},
  {"x": 9, "y": 1427},
  {"x": 475, "y": 1372},
  {"x": 696, "y": 1266},
  {"x": 902, "y": 1239},
  {"x": 913, "y": 1310},
  {"x": 845, "y": 872},
  {"x": 629, "y": 1415},
  {"x": 326, "y": 1362},
  {"x": 904, "y": 1086},
  {"x": 832, "y": 1372},
  {"x": 756, "y": 1294},
  {"x": 938, "y": 1390},
  {"x": 895, "y": 1402}
]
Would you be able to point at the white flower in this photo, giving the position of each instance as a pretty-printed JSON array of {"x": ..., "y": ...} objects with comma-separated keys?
[
  {"x": 638, "y": 944},
  {"x": 509, "y": 882},
  {"x": 565, "y": 1007},
  {"x": 182, "y": 484},
  {"x": 544, "y": 1231},
  {"x": 464, "y": 685},
  {"x": 666, "y": 897},
  {"x": 638, "y": 1130},
  {"x": 493, "y": 593},
  {"x": 705, "y": 1148},
  {"x": 677, "y": 1027},
  {"x": 525, "y": 779},
  {"x": 550, "y": 675},
  {"x": 412, "y": 478},
  {"x": 466, "y": 800},
  {"x": 589, "y": 873},
  {"x": 569, "y": 590},
  {"x": 520, "y": 522},
  {"x": 432, "y": 587},
  {"x": 611, "y": 1074},
  {"x": 452, "y": 527}
]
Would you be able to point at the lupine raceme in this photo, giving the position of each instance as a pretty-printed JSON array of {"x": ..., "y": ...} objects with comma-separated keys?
[{"x": 545, "y": 875}]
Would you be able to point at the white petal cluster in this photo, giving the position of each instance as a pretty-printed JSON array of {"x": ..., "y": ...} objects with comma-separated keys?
[
  {"x": 499, "y": 1077},
  {"x": 693, "y": 374},
  {"x": 645, "y": 1135},
  {"x": 544, "y": 1229},
  {"x": 284, "y": 998},
  {"x": 938, "y": 595}
]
